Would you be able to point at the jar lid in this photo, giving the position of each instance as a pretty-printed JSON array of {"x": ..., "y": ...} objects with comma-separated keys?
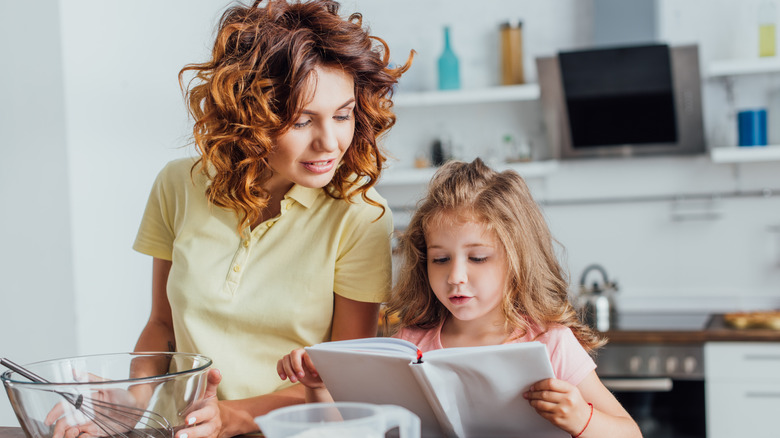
[{"x": 512, "y": 23}]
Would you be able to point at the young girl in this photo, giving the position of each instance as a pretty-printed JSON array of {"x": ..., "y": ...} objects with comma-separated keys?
[{"x": 480, "y": 269}]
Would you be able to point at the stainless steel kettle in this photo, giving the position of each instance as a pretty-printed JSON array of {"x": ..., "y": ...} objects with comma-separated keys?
[{"x": 597, "y": 302}]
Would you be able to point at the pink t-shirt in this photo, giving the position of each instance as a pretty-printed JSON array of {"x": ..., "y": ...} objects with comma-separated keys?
[{"x": 570, "y": 362}]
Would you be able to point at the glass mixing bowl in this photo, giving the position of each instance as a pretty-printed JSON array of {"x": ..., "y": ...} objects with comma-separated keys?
[{"x": 122, "y": 394}]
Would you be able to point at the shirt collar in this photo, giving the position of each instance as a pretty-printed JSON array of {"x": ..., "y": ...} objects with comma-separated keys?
[{"x": 304, "y": 195}]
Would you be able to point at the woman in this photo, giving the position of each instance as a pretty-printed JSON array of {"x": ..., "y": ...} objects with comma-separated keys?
[{"x": 274, "y": 237}]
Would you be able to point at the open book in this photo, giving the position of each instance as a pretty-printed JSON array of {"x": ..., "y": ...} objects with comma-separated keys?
[{"x": 456, "y": 392}]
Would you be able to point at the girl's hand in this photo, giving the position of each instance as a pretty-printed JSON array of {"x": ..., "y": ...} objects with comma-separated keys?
[
  {"x": 560, "y": 403},
  {"x": 298, "y": 367},
  {"x": 205, "y": 421}
]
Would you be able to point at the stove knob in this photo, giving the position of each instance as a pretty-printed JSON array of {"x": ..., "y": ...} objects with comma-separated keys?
[
  {"x": 689, "y": 364},
  {"x": 652, "y": 365},
  {"x": 671, "y": 364},
  {"x": 634, "y": 362}
]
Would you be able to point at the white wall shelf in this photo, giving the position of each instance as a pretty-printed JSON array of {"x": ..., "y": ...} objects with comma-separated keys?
[
  {"x": 735, "y": 67},
  {"x": 406, "y": 176},
  {"x": 745, "y": 154},
  {"x": 732, "y": 67},
  {"x": 507, "y": 93}
]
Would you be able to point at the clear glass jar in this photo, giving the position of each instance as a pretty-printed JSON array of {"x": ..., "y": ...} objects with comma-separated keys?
[
  {"x": 766, "y": 28},
  {"x": 512, "y": 53}
]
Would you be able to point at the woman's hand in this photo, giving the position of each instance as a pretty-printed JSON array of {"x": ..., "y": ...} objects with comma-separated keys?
[
  {"x": 298, "y": 367},
  {"x": 560, "y": 403},
  {"x": 205, "y": 421},
  {"x": 88, "y": 415}
]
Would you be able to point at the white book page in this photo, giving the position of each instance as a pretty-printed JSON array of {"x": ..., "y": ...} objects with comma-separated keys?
[
  {"x": 481, "y": 388},
  {"x": 389, "y": 346},
  {"x": 374, "y": 378},
  {"x": 442, "y": 408}
]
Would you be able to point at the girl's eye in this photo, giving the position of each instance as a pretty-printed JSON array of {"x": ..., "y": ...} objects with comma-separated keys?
[
  {"x": 301, "y": 124},
  {"x": 440, "y": 260},
  {"x": 478, "y": 259}
]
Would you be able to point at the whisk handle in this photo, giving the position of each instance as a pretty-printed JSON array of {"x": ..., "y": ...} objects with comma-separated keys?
[
  {"x": 22, "y": 371},
  {"x": 75, "y": 399}
]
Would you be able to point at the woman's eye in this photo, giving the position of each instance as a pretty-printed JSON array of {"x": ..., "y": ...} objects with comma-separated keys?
[
  {"x": 440, "y": 260},
  {"x": 302, "y": 124},
  {"x": 478, "y": 259},
  {"x": 343, "y": 117}
]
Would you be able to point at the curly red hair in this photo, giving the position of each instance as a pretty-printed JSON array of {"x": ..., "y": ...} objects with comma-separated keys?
[{"x": 253, "y": 89}]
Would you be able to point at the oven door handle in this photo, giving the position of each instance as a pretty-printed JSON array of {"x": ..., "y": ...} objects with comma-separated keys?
[{"x": 662, "y": 384}]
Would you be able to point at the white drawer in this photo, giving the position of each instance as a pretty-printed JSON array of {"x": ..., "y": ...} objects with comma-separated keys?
[
  {"x": 742, "y": 410},
  {"x": 742, "y": 362}
]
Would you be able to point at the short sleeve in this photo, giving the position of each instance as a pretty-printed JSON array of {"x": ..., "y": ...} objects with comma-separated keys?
[
  {"x": 155, "y": 233},
  {"x": 569, "y": 359},
  {"x": 363, "y": 267}
]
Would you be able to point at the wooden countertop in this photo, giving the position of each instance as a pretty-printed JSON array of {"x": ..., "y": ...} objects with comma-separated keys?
[{"x": 714, "y": 331}]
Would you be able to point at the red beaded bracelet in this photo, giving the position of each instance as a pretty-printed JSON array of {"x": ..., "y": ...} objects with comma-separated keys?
[{"x": 587, "y": 423}]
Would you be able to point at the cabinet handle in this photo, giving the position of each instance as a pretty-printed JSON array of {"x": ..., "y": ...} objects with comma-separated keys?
[
  {"x": 761, "y": 394},
  {"x": 762, "y": 357},
  {"x": 636, "y": 385}
]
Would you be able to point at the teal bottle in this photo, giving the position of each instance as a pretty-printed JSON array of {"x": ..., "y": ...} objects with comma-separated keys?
[{"x": 449, "y": 74}]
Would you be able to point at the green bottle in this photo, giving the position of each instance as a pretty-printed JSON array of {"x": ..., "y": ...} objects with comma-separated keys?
[{"x": 449, "y": 75}]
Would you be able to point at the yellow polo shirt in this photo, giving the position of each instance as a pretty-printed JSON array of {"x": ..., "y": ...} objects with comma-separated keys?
[{"x": 247, "y": 302}]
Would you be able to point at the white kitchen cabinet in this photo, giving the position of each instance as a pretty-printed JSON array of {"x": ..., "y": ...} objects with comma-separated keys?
[{"x": 742, "y": 384}]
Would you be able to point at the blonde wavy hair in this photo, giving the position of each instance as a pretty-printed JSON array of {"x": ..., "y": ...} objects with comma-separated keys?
[
  {"x": 253, "y": 89},
  {"x": 536, "y": 286}
]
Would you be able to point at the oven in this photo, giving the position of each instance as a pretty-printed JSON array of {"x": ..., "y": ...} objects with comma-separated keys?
[{"x": 654, "y": 364}]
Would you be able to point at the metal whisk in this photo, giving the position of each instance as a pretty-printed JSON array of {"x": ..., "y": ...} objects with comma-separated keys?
[{"x": 113, "y": 419}]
